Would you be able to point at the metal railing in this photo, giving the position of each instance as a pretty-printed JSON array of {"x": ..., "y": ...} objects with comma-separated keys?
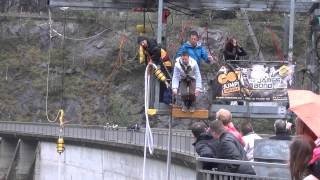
[
  {"x": 181, "y": 143},
  {"x": 213, "y": 174},
  {"x": 181, "y": 139}
]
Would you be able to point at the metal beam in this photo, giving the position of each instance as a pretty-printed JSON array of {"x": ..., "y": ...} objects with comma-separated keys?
[
  {"x": 194, "y": 5},
  {"x": 252, "y": 35},
  {"x": 252, "y": 5},
  {"x": 238, "y": 111},
  {"x": 291, "y": 30},
  {"x": 285, "y": 26},
  {"x": 159, "y": 32},
  {"x": 255, "y": 112},
  {"x": 313, "y": 62},
  {"x": 105, "y": 4}
]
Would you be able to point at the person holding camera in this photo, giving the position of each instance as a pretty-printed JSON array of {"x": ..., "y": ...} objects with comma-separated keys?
[
  {"x": 233, "y": 50},
  {"x": 187, "y": 77}
]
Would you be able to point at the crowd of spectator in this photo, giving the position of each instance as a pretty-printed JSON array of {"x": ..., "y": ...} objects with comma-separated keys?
[{"x": 221, "y": 139}]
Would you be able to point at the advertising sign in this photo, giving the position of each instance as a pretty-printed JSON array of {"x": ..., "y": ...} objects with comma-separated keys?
[{"x": 254, "y": 83}]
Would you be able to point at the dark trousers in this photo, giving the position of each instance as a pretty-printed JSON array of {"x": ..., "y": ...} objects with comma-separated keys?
[
  {"x": 167, "y": 72},
  {"x": 187, "y": 90}
]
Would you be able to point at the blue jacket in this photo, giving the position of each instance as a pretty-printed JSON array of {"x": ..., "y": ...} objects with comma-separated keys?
[{"x": 198, "y": 53}]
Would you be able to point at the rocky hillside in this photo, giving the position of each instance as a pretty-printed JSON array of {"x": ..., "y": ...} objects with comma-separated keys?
[{"x": 94, "y": 73}]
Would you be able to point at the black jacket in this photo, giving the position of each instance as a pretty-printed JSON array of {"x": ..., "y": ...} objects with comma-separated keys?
[
  {"x": 206, "y": 146},
  {"x": 231, "y": 148},
  {"x": 154, "y": 50},
  {"x": 281, "y": 136},
  {"x": 234, "y": 53}
]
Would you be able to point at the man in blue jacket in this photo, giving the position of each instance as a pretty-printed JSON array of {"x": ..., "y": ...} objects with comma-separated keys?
[{"x": 195, "y": 49}]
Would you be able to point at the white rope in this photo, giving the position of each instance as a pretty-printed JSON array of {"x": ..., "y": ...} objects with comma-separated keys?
[
  {"x": 148, "y": 138},
  {"x": 59, "y": 166},
  {"x": 48, "y": 71},
  {"x": 81, "y": 39}
]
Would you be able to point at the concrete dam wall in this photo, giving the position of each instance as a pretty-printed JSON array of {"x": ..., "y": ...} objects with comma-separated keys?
[{"x": 85, "y": 163}]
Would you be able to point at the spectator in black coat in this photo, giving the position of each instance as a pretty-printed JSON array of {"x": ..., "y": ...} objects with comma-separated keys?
[
  {"x": 205, "y": 145},
  {"x": 282, "y": 130},
  {"x": 229, "y": 148},
  {"x": 134, "y": 127}
]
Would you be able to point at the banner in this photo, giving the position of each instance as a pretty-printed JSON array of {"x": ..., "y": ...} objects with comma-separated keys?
[{"x": 253, "y": 83}]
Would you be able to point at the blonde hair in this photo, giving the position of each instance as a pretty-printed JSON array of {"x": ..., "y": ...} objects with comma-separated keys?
[{"x": 224, "y": 116}]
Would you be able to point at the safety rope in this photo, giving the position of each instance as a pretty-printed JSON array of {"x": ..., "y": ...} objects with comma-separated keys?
[
  {"x": 212, "y": 54},
  {"x": 118, "y": 63},
  {"x": 153, "y": 31},
  {"x": 260, "y": 43},
  {"x": 182, "y": 34},
  {"x": 48, "y": 71},
  {"x": 173, "y": 47},
  {"x": 148, "y": 138}
]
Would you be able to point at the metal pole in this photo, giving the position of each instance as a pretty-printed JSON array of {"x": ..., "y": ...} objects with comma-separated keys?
[
  {"x": 291, "y": 30},
  {"x": 159, "y": 32},
  {"x": 159, "y": 37},
  {"x": 169, "y": 148}
]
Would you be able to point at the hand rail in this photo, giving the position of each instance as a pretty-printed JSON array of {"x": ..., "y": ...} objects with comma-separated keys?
[{"x": 182, "y": 139}]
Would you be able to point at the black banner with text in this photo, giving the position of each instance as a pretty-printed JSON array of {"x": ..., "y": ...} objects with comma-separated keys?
[{"x": 254, "y": 83}]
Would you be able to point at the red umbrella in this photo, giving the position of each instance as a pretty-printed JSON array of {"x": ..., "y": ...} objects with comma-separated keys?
[{"x": 306, "y": 105}]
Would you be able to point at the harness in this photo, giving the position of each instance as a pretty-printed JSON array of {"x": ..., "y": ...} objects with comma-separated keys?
[{"x": 187, "y": 71}]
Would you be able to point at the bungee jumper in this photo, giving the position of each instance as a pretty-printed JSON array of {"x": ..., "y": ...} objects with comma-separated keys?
[{"x": 187, "y": 78}]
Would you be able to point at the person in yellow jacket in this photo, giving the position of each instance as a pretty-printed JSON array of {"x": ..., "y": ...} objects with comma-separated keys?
[{"x": 151, "y": 51}]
